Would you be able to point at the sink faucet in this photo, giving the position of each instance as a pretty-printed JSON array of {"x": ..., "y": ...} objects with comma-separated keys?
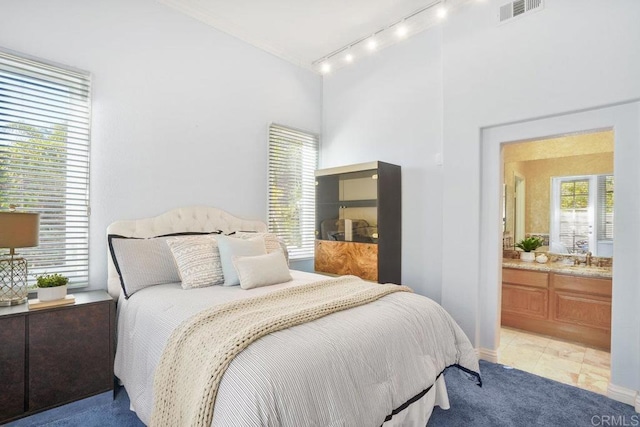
[{"x": 588, "y": 259}]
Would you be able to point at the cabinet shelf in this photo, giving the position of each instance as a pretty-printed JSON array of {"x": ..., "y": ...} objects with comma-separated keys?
[{"x": 367, "y": 203}]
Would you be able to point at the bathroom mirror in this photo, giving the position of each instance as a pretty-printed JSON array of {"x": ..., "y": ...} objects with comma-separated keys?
[{"x": 561, "y": 190}]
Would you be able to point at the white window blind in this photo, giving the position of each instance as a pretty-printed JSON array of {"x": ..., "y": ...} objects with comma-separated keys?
[
  {"x": 605, "y": 207},
  {"x": 575, "y": 218},
  {"x": 44, "y": 160},
  {"x": 582, "y": 214},
  {"x": 293, "y": 159}
]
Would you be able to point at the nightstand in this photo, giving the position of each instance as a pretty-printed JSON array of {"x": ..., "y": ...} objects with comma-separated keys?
[{"x": 53, "y": 356}]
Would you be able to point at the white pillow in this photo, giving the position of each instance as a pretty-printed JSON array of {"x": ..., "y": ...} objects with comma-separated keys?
[
  {"x": 271, "y": 241},
  {"x": 262, "y": 270},
  {"x": 198, "y": 261},
  {"x": 231, "y": 247}
]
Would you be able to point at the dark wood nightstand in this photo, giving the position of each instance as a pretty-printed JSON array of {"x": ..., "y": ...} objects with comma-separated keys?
[{"x": 53, "y": 356}]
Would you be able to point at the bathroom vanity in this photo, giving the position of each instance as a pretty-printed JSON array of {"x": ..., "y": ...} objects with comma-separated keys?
[{"x": 568, "y": 302}]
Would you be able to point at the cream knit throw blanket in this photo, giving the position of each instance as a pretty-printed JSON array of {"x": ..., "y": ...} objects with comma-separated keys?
[{"x": 200, "y": 349}]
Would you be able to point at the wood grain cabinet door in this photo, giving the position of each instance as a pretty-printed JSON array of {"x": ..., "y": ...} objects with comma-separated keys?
[
  {"x": 12, "y": 350},
  {"x": 69, "y": 354}
]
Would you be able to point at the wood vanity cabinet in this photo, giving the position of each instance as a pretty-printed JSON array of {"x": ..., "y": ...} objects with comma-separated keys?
[
  {"x": 574, "y": 308},
  {"x": 525, "y": 293},
  {"x": 358, "y": 221}
]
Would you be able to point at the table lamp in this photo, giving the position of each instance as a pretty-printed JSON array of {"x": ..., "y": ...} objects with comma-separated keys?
[{"x": 17, "y": 230}]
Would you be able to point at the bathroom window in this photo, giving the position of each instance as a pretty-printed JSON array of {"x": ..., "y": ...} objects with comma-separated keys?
[{"x": 582, "y": 214}]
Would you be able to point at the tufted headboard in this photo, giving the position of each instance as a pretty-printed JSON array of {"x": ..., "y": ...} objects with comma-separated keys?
[{"x": 181, "y": 220}]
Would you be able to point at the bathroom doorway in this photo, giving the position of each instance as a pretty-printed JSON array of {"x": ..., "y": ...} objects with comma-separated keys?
[
  {"x": 568, "y": 180},
  {"x": 623, "y": 119}
]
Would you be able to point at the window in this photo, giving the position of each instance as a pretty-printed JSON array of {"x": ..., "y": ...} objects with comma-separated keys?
[
  {"x": 582, "y": 209},
  {"x": 44, "y": 160},
  {"x": 293, "y": 159}
]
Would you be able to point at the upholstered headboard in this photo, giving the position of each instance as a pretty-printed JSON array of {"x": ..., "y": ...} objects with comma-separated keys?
[{"x": 181, "y": 220}]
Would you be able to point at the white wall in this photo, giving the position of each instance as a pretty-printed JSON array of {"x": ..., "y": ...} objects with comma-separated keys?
[
  {"x": 563, "y": 59},
  {"x": 388, "y": 107},
  {"x": 559, "y": 60},
  {"x": 180, "y": 110}
]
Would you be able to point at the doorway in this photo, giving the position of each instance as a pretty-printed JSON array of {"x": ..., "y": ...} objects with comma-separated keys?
[
  {"x": 545, "y": 331},
  {"x": 625, "y": 299}
]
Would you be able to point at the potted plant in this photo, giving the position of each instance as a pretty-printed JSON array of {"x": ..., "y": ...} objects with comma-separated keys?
[
  {"x": 51, "y": 287},
  {"x": 529, "y": 245}
]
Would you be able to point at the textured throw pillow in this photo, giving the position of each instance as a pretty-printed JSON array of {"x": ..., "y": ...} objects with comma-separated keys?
[
  {"x": 271, "y": 241},
  {"x": 262, "y": 270},
  {"x": 198, "y": 261},
  {"x": 142, "y": 262},
  {"x": 231, "y": 247}
]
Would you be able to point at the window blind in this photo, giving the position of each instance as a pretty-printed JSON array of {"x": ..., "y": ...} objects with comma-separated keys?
[
  {"x": 293, "y": 159},
  {"x": 44, "y": 160},
  {"x": 605, "y": 207}
]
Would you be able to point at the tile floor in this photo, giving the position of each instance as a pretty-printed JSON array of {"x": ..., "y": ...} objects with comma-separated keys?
[{"x": 572, "y": 364}]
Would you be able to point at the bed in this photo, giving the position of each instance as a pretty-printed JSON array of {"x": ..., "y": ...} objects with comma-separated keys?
[{"x": 380, "y": 363}]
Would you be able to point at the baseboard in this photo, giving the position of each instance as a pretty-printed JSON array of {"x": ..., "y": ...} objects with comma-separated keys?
[
  {"x": 487, "y": 354},
  {"x": 624, "y": 395}
]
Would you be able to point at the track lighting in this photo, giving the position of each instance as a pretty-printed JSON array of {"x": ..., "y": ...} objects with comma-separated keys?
[{"x": 414, "y": 22}]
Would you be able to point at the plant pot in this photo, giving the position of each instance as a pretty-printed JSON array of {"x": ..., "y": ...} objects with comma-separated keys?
[
  {"x": 52, "y": 294},
  {"x": 527, "y": 256}
]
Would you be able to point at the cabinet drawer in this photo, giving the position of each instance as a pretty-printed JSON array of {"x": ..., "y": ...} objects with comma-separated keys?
[
  {"x": 584, "y": 310},
  {"x": 359, "y": 259},
  {"x": 525, "y": 277},
  {"x": 525, "y": 301},
  {"x": 589, "y": 285},
  {"x": 69, "y": 354}
]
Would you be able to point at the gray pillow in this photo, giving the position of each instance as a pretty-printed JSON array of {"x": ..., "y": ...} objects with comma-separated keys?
[{"x": 143, "y": 262}]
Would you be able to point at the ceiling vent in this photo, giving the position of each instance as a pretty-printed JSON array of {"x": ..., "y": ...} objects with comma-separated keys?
[{"x": 518, "y": 8}]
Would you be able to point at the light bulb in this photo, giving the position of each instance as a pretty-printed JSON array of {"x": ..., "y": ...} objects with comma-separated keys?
[
  {"x": 401, "y": 31},
  {"x": 326, "y": 67},
  {"x": 442, "y": 12},
  {"x": 372, "y": 44},
  {"x": 348, "y": 57}
]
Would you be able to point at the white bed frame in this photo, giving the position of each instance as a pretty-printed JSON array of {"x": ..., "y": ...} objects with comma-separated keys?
[{"x": 194, "y": 219}]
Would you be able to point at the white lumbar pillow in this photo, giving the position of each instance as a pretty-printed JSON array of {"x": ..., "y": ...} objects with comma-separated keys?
[{"x": 262, "y": 270}]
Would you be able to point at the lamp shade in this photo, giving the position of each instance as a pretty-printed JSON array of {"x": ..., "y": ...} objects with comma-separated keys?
[{"x": 19, "y": 229}]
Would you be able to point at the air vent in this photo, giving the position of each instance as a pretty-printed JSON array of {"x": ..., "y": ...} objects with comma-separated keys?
[{"x": 518, "y": 8}]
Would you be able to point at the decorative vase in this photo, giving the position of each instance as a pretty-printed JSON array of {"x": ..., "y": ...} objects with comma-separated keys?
[
  {"x": 52, "y": 294},
  {"x": 542, "y": 258},
  {"x": 527, "y": 256}
]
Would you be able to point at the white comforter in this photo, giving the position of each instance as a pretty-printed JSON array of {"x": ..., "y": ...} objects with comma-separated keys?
[{"x": 351, "y": 368}]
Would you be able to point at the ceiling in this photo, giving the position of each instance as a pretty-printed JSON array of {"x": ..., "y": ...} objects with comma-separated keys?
[{"x": 305, "y": 31}]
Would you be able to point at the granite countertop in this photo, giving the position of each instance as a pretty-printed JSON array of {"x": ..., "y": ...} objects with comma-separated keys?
[{"x": 559, "y": 267}]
